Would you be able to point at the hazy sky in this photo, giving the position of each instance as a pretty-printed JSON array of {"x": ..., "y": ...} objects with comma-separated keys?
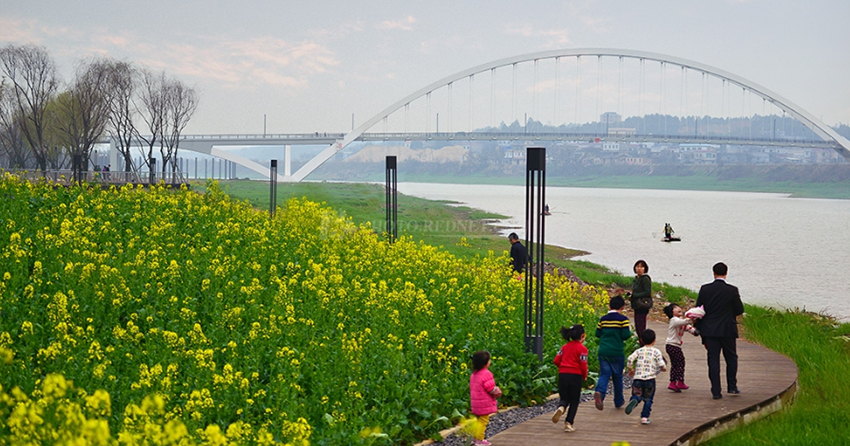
[{"x": 310, "y": 65}]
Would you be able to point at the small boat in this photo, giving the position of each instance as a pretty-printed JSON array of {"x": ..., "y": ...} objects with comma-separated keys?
[{"x": 671, "y": 239}]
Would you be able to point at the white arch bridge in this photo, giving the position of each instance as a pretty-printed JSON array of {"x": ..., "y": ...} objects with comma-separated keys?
[{"x": 705, "y": 74}]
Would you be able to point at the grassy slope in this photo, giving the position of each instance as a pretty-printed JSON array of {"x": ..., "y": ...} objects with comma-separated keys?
[
  {"x": 819, "y": 347},
  {"x": 821, "y": 350}
]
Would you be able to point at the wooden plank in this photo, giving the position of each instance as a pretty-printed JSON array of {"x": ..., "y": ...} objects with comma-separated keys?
[{"x": 762, "y": 376}]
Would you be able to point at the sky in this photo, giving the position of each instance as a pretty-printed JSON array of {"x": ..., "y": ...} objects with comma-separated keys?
[{"x": 315, "y": 66}]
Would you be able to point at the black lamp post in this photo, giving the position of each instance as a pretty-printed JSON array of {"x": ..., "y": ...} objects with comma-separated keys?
[{"x": 535, "y": 225}]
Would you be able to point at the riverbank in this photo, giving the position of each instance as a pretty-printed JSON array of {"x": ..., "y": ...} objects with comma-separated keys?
[{"x": 800, "y": 181}]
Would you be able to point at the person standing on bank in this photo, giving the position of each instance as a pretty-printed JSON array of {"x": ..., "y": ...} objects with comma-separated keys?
[
  {"x": 719, "y": 328},
  {"x": 519, "y": 255},
  {"x": 641, "y": 291}
]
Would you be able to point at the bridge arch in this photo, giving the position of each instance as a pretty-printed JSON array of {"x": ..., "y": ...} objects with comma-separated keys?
[{"x": 806, "y": 118}]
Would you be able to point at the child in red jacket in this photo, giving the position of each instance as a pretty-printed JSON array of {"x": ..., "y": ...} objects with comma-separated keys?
[
  {"x": 572, "y": 371},
  {"x": 483, "y": 392}
]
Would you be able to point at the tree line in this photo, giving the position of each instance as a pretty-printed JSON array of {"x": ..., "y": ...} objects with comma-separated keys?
[{"x": 45, "y": 123}]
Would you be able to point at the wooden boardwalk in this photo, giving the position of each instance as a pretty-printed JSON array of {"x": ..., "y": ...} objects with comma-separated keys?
[{"x": 767, "y": 381}]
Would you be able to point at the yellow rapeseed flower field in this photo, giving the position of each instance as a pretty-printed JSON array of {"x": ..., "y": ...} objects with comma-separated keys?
[{"x": 132, "y": 316}]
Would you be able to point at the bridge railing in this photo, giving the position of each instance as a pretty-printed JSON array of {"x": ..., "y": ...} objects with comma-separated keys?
[
  {"x": 266, "y": 136},
  {"x": 575, "y": 136}
]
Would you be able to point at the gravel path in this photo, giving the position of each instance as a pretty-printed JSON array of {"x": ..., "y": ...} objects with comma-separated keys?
[{"x": 505, "y": 420}]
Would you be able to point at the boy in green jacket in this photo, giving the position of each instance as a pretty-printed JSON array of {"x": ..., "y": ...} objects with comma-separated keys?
[{"x": 612, "y": 331}]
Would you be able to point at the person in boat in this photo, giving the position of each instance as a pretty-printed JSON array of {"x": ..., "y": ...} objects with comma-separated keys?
[{"x": 668, "y": 231}]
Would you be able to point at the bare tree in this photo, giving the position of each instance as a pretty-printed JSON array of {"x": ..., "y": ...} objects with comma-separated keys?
[
  {"x": 33, "y": 82},
  {"x": 86, "y": 107},
  {"x": 13, "y": 153},
  {"x": 181, "y": 103},
  {"x": 123, "y": 111},
  {"x": 151, "y": 107}
]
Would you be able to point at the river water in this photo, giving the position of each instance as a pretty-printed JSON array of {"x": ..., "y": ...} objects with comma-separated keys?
[{"x": 782, "y": 252}]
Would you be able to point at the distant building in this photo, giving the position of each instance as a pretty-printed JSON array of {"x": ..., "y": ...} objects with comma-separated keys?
[
  {"x": 826, "y": 156},
  {"x": 637, "y": 161},
  {"x": 698, "y": 153},
  {"x": 610, "y": 118},
  {"x": 515, "y": 154},
  {"x": 609, "y": 146}
]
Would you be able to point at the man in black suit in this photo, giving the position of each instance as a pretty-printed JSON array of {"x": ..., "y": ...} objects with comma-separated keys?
[{"x": 719, "y": 329}]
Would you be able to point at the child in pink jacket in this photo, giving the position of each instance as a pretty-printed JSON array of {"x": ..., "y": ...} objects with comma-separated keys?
[{"x": 483, "y": 392}]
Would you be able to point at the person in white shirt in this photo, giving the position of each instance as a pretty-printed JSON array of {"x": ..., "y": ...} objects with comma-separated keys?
[{"x": 644, "y": 365}]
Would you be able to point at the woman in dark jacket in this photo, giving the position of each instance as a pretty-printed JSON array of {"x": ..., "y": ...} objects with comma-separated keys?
[{"x": 641, "y": 287}]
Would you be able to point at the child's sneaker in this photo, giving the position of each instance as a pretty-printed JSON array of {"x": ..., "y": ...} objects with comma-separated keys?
[
  {"x": 682, "y": 386},
  {"x": 557, "y": 415},
  {"x": 674, "y": 387},
  {"x": 569, "y": 427},
  {"x": 644, "y": 421},
  {"x": 481, "y": 443},
  {"x": 597, "y": 400},
  {"x": 631, "y": 406}
]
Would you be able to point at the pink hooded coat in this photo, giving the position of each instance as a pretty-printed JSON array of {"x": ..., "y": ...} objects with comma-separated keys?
[{"x": 481, "y": 383}]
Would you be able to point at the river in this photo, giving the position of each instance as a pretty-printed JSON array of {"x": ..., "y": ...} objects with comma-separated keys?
[{"x": 782, "y": 252}]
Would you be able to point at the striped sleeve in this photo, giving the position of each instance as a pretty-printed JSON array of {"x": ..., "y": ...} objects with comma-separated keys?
[{"x": 613, "y": 324}]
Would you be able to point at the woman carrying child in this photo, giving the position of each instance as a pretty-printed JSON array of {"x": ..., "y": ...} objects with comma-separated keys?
[
  {"x": 677, "y": 327},
  {"x": 572, "y": 371}
]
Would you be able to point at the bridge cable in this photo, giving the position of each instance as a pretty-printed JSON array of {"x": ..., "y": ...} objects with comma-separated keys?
[
  {"x": 513, "y": 95},
  {"x": 533, "y": 94},
  {"x": 763, "y": 114},
  {"x": 578, "y": 91},
  {"x": 556, "y": 121},
  {"x": 708, "y": 106},
  {"x": 682, "y": 100},
  {"x": 428, "y": 112},
  {"x": 745, "y": 103},
  {"x": 642, "y": 91},
  {"x": 723, "y": 115},
  {"x": 598, "y": 80},
  {"x": 492, "y": 97},
  {"x": 471, "y": 90},
  {"x": 663, "y": 99},
  {"x": 450, "y": 106},
  {"x": 620, "y": 87}
]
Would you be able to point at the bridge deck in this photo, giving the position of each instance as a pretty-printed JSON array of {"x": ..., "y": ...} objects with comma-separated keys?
[{"x": 766, "y": 379}]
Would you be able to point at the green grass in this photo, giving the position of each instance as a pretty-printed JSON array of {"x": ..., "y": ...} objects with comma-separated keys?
[{"x": 821, "y": 350}]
